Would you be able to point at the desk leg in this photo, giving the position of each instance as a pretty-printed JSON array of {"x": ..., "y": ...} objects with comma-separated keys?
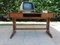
[
  {"x": 14, "y": 28},
  {"x": 48, "y": 32}
]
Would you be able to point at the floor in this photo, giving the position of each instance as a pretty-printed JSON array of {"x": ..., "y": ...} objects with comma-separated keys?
[{"x": 30, "y": 37}]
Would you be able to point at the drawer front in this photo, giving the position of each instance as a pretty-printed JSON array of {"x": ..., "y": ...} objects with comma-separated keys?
[
  {"x": 16, "y": 15},
  {"x": 47, "y": 15}
]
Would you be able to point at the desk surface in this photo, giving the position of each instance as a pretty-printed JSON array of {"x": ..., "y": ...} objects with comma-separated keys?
[{"x": 38, "y": 15}]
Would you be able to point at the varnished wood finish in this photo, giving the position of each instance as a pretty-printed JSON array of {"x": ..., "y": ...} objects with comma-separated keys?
[
  {"x": 14, "y": 28},
  {"x": 48, "y": 31},
  {"x": 20, "y": 16},
  {"x": 46, "y": 16}
]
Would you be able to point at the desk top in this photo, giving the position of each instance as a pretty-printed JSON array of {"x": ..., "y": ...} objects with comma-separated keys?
[{"x": 31, "y": 15}]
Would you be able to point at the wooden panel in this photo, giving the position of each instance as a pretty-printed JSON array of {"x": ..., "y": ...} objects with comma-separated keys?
[
  {"x": 15, "y": 15},
  {"x": 47, "y": 15},
  {"x": 20, "y": 16}
]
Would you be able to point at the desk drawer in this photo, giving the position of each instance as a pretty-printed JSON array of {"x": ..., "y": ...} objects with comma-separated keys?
[
  {"x": 16, "y": 15},
  {"x": 47, "y": 15}
]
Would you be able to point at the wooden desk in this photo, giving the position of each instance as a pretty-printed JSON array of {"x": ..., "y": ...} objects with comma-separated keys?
[{"x": 46, "y": 16}]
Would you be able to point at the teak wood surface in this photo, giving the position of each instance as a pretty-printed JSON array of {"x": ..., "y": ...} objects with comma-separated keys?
[{"x": 46, "y": 16}]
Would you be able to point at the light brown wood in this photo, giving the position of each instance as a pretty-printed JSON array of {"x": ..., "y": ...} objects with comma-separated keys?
[
  {"x": 20, "y": 16},
  {"x": 46, "y": 16}
]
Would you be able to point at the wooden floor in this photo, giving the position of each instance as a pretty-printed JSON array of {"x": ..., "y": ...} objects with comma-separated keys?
[{"x": 27, "y": 37}]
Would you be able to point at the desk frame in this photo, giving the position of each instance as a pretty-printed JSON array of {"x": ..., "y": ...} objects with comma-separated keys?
[{"x": 14, "y": 26}]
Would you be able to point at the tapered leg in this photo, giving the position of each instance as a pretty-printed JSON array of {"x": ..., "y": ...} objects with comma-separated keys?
[
  {"x": 12, "y": 34},
  {"x": 14, "y": 28},
  {"x": 48, "y": 32}
]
